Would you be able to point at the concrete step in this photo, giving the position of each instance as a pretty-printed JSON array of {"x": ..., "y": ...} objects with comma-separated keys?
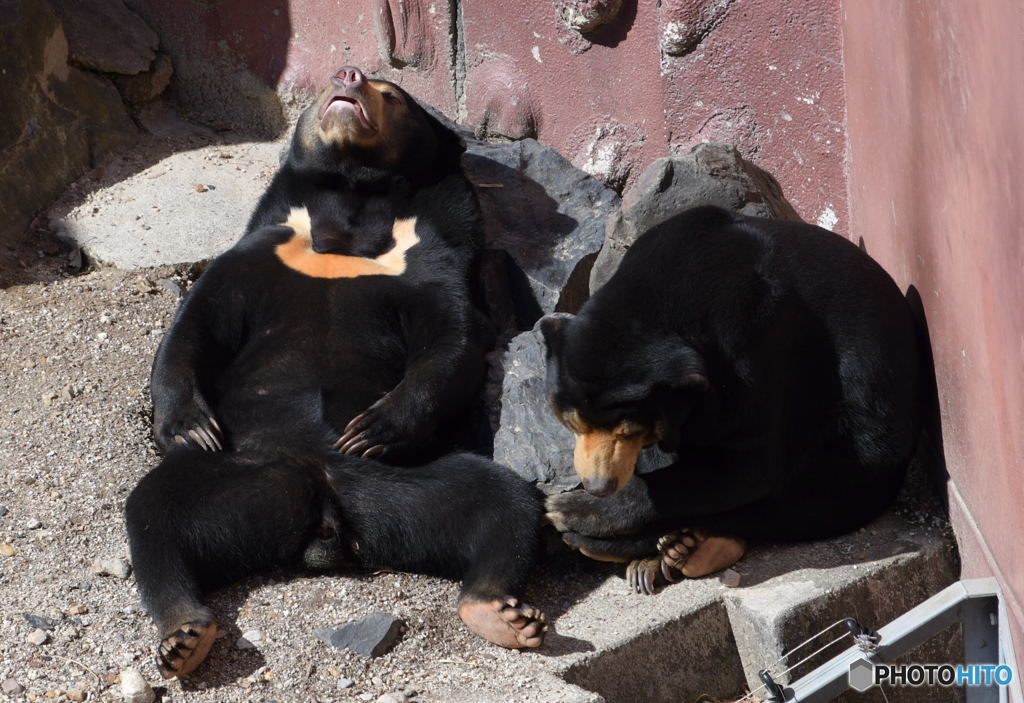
[{"x": 701, "y": 637}]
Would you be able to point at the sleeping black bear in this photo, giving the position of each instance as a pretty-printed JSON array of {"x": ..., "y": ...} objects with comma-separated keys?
[
  {"x": 304, "y": 394},
  {"x": 768, "y": 371}
]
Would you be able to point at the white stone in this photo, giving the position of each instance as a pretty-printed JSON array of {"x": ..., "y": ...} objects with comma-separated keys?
[{"x": 134, "y": 688}]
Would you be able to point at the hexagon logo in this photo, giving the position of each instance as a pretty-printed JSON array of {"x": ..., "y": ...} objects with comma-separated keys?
[{"x": 861, "y": 676}]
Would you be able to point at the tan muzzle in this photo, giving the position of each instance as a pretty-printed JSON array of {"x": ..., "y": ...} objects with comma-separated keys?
[{"x": 605, "y": 461}]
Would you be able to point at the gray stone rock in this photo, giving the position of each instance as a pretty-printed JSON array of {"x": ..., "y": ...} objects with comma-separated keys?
[
  {"x": 38, "y": 637},
  {"x": 711, "y": 174},
  {"x": 372, "y": 636},
  {"x": 249, "y": 639},
  {"x": 3, "y": 511},
  {"x": 547, "y": 215},
  {"x": 11, "y": 687},
  {"x": 118, "y": 568},
  {"x": 39, "y": 622},
  {"x": 530, "y": 440},
  {"x": 104, "y": 35},
  {"x": 146, "y": 86},
  {"x": 391, "y": 698},
  {"x": 134, "y": 688},
  {"x": 58, "y": 120}
]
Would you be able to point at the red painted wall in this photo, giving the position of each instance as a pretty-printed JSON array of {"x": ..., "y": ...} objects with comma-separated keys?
[
  {"x": 935, "y": 92},
  {"x": 764, "y": 75}
]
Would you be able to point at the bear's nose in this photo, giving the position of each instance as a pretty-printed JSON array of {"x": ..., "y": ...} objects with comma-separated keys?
[
  {"x": 349, "y": 76},
  {"x": 600, "y": 487}
]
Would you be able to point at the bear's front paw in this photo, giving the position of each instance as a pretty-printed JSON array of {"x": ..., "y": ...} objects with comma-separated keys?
[
  {"x": 578, "y": 511},
  {"x": 193, "y": 425},
  {"x": 373, "y": 431}
]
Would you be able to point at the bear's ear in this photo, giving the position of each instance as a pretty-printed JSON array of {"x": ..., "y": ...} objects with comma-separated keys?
[
  {"x": 681, "y": 368},
  {"x": 450, "y": 144},
  {"x": 552, "y": 326}
]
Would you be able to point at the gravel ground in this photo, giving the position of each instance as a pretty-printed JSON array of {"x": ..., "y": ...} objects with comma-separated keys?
[{"x": 75, "y": 352}]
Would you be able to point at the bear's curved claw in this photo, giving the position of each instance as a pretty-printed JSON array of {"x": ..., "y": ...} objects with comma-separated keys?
[{"x": 642, "y": 575}]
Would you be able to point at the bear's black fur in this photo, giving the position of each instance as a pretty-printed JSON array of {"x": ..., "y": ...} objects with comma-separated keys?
[
  {"x": 340, "y": 327},
  {"x": 770, "y": 368}
]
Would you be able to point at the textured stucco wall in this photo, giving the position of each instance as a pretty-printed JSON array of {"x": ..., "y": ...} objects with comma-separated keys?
[
  {"x": 936, "y": 105},
  {"x": 656, "y": 79}
]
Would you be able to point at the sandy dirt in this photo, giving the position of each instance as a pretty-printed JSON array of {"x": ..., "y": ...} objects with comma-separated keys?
[{"x": 75, "y": 437}]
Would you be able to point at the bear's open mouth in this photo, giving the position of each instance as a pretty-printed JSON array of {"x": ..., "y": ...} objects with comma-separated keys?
[{"x": 338, "y": 103}]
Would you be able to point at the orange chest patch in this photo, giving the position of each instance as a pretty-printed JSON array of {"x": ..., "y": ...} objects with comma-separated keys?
[{"x": 297, "y": 253}]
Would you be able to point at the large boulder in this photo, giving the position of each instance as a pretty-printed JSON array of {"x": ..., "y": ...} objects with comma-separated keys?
[
  {"x": 530, "y": 440},
  {"x": 711, "y": 174},
  {"x": 546, "y": 215},
  {"x": 104, "y": 35},
  {"x": 58, "y": 120}
]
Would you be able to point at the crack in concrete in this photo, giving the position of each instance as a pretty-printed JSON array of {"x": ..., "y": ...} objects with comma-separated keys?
[{"x": 458, "y": 59}]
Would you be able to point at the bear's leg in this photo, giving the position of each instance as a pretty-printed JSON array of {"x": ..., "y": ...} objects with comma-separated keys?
[
  {"x": 620, "y": 549},
  {"x": 460, "y": 517},
  {"x": 199, "y": 520},
  {"x": 488, "y": 604}
]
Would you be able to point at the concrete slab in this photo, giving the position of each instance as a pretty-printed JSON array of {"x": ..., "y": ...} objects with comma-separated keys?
[
  {"x": 701, "y": 637},
  {"x": 185, "y": 207}
]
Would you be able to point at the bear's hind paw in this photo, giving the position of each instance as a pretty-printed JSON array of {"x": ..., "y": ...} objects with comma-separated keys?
[
  {"x": 504, "y": 621},
  {"x": 185, "y": 648},
  {"x": 696, "y": 553}
]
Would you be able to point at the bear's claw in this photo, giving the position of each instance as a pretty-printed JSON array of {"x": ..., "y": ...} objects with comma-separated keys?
[{"x": 185, "y": 648}]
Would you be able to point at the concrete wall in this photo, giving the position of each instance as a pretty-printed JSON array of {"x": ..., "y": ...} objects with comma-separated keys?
[
  {"x": 655, "y": 79},
  {"x": 935, "y": 92}
]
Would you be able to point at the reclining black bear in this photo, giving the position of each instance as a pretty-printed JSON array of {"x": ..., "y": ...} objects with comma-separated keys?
[
  {"x": 771, "y": 368},
  {"x": 341, "y": 327}
]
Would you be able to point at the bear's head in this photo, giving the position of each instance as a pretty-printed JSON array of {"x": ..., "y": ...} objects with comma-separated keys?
[
  {"x": 367, "y": 127},
  {"x": 618, "y": 393}
]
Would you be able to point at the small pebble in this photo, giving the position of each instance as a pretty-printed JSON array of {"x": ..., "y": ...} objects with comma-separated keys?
[
  {"x": 38, "y": 637},
  {"x": 118, "y": 568},
  {"x": 39, "y": 622},
  {"x": 344, "y": 683},
  {"x": 134, "y": 688},
  {"x": 77, "y": 609},
  {"x": 3, "y": 511},
  {"x": 170, "y": 286},
  {"x": 76, "y": 695},
  {"x": 366, "y": 696},
  {"x": 249, "y": 639},
  {"x": 12, "y": 687},
  {"x": 33, "y": 524},
  {"x": 391, "y": 698},
  {"x": 730, "y": 578},
  {"x": 409, "y": 693},
  {"x": 7, "y": 550}
]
